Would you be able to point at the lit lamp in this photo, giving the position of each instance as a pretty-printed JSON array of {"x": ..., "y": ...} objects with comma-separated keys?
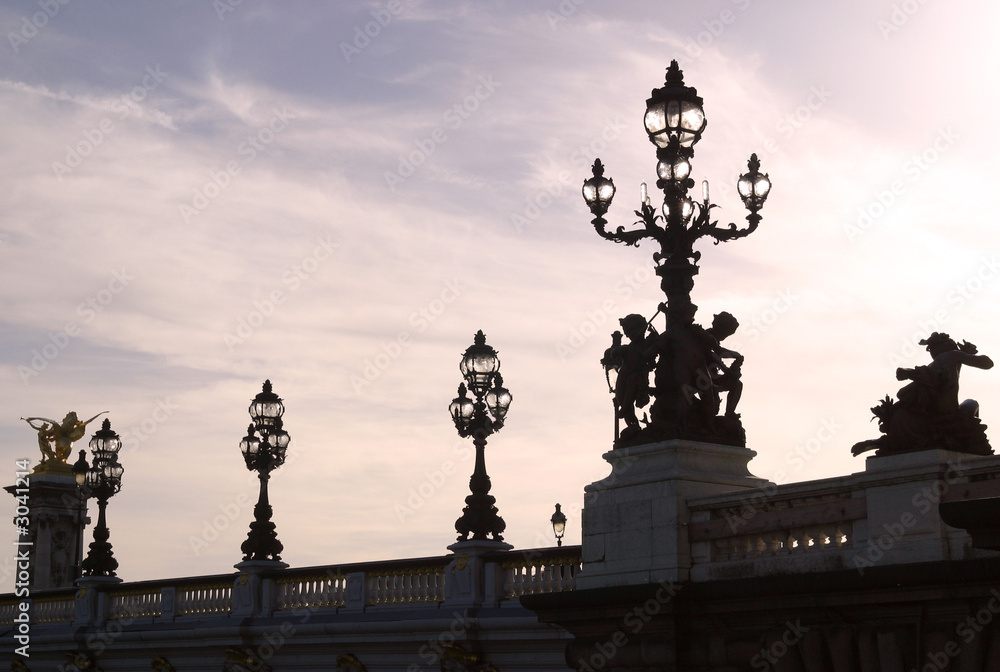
[
  {"x": 264, "y": 448},
  {"x": 675, "y": 111},
  {"x": 598, "y": 191},
  {"x": 479, "y": 417},
  {"x": 102, "y": 480},
  {"x": 558, "y": 524},
  {"x": 754, "y": 187}
]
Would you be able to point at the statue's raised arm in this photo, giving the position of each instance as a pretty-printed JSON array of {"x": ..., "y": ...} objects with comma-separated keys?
[{"x": 87, "y": 422}]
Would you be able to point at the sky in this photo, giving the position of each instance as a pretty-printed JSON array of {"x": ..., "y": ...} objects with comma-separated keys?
[{"x": 199, "y": 196}]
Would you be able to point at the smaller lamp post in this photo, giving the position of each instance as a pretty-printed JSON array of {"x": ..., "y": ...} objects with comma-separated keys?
[
  {"x": 80, "y": 468},
  {"x": 479, "y": 418},
  {"x": 102, "y": 480},
  {"x": 264, "y": 454},
  {"x": 612, "y": 363},
  {"x": 558, "y": 521}
]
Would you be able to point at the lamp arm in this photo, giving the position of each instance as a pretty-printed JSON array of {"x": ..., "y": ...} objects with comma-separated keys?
[
  {"x": 722, "y": 234},
  {"x": 621, "y": 235}
]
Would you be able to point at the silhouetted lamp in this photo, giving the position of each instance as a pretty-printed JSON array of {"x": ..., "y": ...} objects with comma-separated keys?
[
  {"x": 675, "y": 111},
  {"x": 558, "y": 524},
  {"x": 598, "y": 190},
  {"x": 683, "y": 207},
  {"x": 80, "y": 468},
  {"x": 498, "y": 399},
  {"x": 754, "y": 186},
  {"x": 102, "y": 480},
  {"x": 674, "y": 166},
  {"x": 264, "y": 449},
  {"x": 479, "y": 418},
  {"x": 462, "y": 409}
]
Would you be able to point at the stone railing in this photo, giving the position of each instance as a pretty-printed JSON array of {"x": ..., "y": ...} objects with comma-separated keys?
[
  {"x": 550, "y": 570},
  {"x": 884, "y": 515},
  {"x": 406, "y": 586},
  {"x": 772, "y": 523},
  {"x": 363, "y": 585},
  {"x": 212, "y": 596},
  {"x": 416, "y": 582},
  {"x": 313, "y": 590},
  {"x": 54, "y": 608},
  {"x": 135, "y": 603}
]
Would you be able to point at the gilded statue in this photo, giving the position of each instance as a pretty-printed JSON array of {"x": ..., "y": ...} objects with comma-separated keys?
[{"x": 55, "y": 439}]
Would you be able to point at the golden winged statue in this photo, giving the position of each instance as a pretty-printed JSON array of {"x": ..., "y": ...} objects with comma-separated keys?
[{"x": 55, "y": 439}]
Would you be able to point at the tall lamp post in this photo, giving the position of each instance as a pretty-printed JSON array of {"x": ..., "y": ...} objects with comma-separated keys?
[
  {"x": 263, "y": 451},
  {"x": 687, "y": 377},
  {"x": 479, "y": 417},
  {"x": 102, "y": 479}
]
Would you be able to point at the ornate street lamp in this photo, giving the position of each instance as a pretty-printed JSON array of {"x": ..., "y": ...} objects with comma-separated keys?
[
  {"x": 102, "y": 479},
  {"x": 675, "y": 120},
  {"x": 558, "y": 521},
  {"x": 263, "y": 450},
  {"x": 479, "y": 417}
]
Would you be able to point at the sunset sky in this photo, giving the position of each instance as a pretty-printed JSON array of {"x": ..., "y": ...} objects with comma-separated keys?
[{"x": 336, "y": 196}]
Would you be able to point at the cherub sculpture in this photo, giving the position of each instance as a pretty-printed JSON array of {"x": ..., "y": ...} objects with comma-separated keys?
[
  {"x": 927, "y": 414},
  {"x": 55, "y": 439},
  {"x": 725, "y": 378},
  {"x": 635, "y": 364}
]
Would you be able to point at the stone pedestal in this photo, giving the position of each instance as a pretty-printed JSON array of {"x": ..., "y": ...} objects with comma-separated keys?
[
  {"x": 470, "y": 581},
  {"x": 253, "y": 594},
  {"x": 93, "y": 605},
  {"x": 57, "y": 517},
  {"x": 903, "y": 493},
  {"x": 635, "y": 520}
]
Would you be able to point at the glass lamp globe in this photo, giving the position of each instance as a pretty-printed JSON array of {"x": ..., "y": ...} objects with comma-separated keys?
[{"x": 675, "y": 111}]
